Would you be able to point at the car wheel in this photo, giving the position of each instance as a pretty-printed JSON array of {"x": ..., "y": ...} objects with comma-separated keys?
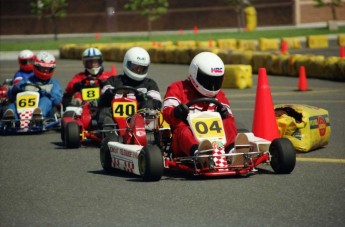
[
  {"x": 72, "y": 135},
  {"x": 104, "y": 153},
  {"x": 150, "y": 163},
  {"x": 283, "y": 156}
]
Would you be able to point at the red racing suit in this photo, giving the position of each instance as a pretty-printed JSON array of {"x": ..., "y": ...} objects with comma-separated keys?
[
  {"x": 182, "y": 136},
  {"x": 69, "y": 91}
]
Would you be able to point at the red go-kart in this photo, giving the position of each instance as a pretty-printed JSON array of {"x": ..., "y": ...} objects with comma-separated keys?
[
  {"x": 149, "y": 159},
  {"x": 78, "y": 123}
]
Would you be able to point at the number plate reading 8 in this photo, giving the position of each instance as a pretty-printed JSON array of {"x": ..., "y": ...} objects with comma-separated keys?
[
  {"x": 207, "y": 128},
  {"x": 124, "y": 109},
  {"x": 90, "y": 93},
  {"x": 27, "y": 101}
]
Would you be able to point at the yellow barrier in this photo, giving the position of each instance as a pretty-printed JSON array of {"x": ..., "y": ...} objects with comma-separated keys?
[
  {"x": 293, "y": 42},
  {"x": 238, "y": 76},
  {"x": 307, "y": 127},
  {"x": 317, "y": 41},
  {"x": 268, "y": 44}
]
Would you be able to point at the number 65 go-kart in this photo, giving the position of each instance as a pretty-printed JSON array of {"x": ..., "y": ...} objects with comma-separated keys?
[
  {"x": 149, "y": 158},
  {"x": 26, "y": 102}
]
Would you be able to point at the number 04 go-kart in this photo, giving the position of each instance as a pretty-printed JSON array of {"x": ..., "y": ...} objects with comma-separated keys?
[
  {"x": 26, "y": 102},
  {"x": 150, "y": 159}
]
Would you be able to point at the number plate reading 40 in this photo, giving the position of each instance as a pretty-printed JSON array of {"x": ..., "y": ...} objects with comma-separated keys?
[
  {"x": 124, "y": 109},
  {"x": 27, "y": 101},
  {"x": 208, "y": 127},
  {"x": 90, "y": 93}
]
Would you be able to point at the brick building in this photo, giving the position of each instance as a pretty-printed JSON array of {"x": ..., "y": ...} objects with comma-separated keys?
[{"x": 90, "y": 16}]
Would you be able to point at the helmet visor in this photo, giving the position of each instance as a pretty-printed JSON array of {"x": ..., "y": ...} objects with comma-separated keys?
[
  {"x": 211, "y": 83},
  {"x": 92, "y": 63},
  {"x": 44, "y": 69},
  {"x": 26, "y": 61},
  {"x": 138, "y": 69}
]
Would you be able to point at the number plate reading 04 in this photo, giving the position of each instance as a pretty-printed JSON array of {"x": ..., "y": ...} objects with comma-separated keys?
[{"x": 206, "y": 128}]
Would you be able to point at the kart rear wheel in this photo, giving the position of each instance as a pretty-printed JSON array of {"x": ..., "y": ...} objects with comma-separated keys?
[
  {"x": 150, "y": 162},
  {"x": 104, "y": 153},
  {"x": 283, "y": 156},
  {"x": 72, "y": 135}
]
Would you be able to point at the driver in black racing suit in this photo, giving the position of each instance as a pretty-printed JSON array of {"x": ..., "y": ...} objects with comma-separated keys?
[{"x": 135, "y": 64}]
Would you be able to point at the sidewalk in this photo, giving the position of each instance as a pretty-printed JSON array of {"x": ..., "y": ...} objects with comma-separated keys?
[{"x": 13, "y": 55}]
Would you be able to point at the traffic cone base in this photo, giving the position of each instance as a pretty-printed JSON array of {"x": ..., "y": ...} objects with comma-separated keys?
[{"x": 264, "y": 122}]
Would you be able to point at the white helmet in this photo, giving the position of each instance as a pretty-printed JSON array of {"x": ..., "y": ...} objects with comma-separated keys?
[
  {"x": 206, "y": 73},
  {"x": 89, "y": 55},
  {"x": 26, "y": 60},
  {"x": 136, "y": 63}
]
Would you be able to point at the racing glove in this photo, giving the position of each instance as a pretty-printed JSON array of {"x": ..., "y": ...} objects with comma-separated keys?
[
  {"x": 140, "y": 96},
  {"x": 223, "y": 111},
  {"x": 77, "y": 86},
  {"x": 109, "y": 93},
  {"x": 181, "y": 111}
]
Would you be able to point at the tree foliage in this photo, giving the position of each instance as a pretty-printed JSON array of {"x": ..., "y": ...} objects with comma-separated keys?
[
  {"x": 329, "y": 3},
  {"x": 51, "y": 9},
  {"x": 152, "y": 9}
]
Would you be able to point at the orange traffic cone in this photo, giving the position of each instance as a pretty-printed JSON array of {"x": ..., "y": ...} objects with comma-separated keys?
[
  {"x": 180, "y": 31},
  {"x": 264, "y": 122},
  {"x": 98, "y": 36},
  {"x": 113, "y": 70},
  {"x": 302, "y": 82},
  {"x": 283, "y": 47},
  {"x": 210, "y": 43},
  {"x": 196, "y": 30},
  {"x": 342, "y": 52}
]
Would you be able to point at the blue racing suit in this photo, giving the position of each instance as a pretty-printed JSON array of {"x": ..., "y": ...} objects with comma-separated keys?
[{"x": 50, "y": 94}]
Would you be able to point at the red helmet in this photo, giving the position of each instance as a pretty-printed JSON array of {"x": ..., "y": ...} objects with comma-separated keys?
[
  {"x": 44, "y": 65},
  {"x": 26, "y": 60}
]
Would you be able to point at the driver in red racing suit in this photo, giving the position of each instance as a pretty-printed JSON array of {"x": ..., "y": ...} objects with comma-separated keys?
[
  {"x": 92, "y": 60},
  {"x": 206, "y": 73}
]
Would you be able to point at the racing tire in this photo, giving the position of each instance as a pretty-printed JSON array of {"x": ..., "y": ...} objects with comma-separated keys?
[
  {"x": 104, "y": 153},
  {"x": 150, "y": 162},
  {"x": 283, "y": 156},
  {"x": 72, "y": 135},
  {"x": 62, "y": 132}
]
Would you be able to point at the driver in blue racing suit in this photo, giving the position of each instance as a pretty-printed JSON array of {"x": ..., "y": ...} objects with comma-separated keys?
[{"x": 50, "y": 92}]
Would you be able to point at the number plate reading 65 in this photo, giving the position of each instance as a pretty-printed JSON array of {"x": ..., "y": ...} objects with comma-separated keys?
[
  {"x": 207, "y": 128},
  {"x": 90, "y": 93},
  {"x": 27, "y": 101},
  {"x": 124, "y": 109}
]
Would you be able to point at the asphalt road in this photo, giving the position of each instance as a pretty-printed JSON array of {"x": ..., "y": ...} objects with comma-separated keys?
[{"x": 43, "y": 184}]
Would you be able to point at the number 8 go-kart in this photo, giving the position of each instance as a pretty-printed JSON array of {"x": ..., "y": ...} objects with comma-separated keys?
[
  {"x": 78, "y": 123},
  {"x": 148, "y": 160},
  {"x": 26, "y": 102}
]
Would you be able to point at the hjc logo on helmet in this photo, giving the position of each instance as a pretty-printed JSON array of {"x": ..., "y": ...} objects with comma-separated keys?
[{"x": 216, "y": 70}]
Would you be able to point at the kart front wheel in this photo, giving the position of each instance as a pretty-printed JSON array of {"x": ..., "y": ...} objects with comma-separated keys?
[
  {"x": 150, "y": 162},
  {"x": 283, "y": 156},
  {"x": 72, "y": 135},
  {"x": 104, "y": 153}
]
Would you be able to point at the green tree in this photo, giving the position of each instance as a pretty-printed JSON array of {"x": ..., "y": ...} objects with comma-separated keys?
[
  {"x": 51, "y": 9},
  {"x": 239, "y": 5},
  {"x": 329, "y": 3},
  {"x": 152, "y": 9}
]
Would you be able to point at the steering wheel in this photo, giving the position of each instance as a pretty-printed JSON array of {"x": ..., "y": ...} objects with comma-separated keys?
[
  {"x": 24, "y": 87},
  {"x": 205, "y": 100},
  {"x": 126, "y": 90}
]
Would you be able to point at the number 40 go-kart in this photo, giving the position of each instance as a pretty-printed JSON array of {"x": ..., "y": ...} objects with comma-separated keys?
[{"x": 148, "y": 156}]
